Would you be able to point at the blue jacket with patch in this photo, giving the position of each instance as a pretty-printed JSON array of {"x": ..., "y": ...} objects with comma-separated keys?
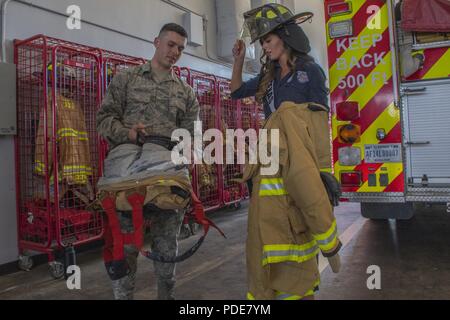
[{"x": 307, "y": 84}]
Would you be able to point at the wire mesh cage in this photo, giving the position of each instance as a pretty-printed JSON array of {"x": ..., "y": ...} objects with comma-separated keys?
[
  {"x": 208, "y": 177},
  {"x": 259, "y": 117},
  {"x": 185, "y": 75},
  {"x": 57, "y": 149},
  {"x": 112, "y": 63},
  {"x": 249, "y": 119},
  {"x": 229, "y": 119}
]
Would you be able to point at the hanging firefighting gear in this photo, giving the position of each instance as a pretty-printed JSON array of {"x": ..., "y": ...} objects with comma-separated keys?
[
  {"x": 74, "y": 162},
  {"x": 138, "y": 175},
  {"x": 410, "y": 60},
  {"x": 290, "y": 216}
]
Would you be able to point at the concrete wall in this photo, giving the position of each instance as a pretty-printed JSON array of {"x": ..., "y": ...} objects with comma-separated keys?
[{"x": 138, "y": 20}]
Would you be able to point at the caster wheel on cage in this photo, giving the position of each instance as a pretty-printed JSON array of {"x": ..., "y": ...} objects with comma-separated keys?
[
  {"x": 56, "y": 269},
  {"x": 25, "y": 263}
]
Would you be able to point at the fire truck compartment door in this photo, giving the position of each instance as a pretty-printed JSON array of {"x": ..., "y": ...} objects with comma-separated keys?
[{"x": 426, "y": 116}]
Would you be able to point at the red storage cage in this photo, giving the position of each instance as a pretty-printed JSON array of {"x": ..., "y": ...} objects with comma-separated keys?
[
  {"x": 259, "y": 117},
  {"x": 112, "y": 63},
  {"x": 249, "y": 119},
  {"x": 208, "y": 179},
  {"x": 57, "y": 147},
  {"x": 229, "y": 119},
  {"x": 177, "y": 71},
  {"x": 185, "y": 75}
]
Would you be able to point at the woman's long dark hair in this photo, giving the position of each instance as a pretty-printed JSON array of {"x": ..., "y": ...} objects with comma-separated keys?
[{"x": 268, "y": 69}]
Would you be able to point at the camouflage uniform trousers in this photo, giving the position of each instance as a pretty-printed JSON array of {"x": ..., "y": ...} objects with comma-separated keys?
[{"x": 164, "y": 230}]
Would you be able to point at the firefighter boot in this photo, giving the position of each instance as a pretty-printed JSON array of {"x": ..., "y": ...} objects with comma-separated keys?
[
  {"x": 166, "y": 289},
  {"x": 123, "y": 288}
]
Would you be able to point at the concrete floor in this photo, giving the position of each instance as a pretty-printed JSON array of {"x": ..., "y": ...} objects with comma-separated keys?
[{"x": 413, "y": 256}]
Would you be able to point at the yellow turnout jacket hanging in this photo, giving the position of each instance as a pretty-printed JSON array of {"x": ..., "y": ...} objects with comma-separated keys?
[{"x": 74, "y": 161}]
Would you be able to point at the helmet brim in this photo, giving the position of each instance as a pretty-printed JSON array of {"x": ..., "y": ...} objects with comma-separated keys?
[{"x": 297, "y": 19}]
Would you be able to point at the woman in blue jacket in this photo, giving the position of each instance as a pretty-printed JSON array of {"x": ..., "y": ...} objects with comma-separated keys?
[{"x": 288, "y": 73}]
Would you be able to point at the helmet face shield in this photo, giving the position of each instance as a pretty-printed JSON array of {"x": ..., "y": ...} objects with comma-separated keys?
[{"x": 256, "y": 28}]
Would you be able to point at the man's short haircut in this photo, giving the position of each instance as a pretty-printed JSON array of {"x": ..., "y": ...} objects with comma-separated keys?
[{"x": 175, "y": 28}]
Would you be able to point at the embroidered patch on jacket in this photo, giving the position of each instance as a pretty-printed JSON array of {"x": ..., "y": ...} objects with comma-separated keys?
[{"x": 302, "y": 76}]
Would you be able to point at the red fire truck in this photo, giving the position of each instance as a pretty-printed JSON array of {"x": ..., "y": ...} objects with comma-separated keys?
[{"x": 389, "y": 72}]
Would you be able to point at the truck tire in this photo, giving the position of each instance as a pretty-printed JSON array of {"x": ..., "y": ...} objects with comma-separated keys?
[{"x": 384, "y": 211}]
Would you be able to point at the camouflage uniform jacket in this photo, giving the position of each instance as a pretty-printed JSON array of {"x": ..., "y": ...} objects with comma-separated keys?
[{"x": 162, "y": 103}]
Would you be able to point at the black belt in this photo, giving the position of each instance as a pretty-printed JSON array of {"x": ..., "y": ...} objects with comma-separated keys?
[{"x": 159, "y": 140}]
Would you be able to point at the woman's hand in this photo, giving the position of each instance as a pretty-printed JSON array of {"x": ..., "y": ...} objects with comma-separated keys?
[
  {"x": 239, "y": 57},
  {"x": 239, "y": 50}
]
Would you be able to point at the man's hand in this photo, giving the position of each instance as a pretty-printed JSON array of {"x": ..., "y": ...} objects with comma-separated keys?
[
  {"x": 132, "y": 134},
  {"x": 239, "y": 50}
]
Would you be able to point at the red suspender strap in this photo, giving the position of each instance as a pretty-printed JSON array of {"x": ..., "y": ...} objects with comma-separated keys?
[
  {"x": 136, "y": 200},
  {"x": 109, "y": 205}
]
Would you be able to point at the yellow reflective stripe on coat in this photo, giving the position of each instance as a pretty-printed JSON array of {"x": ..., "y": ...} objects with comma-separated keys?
[
  {"x": 327, "y": 240},
  {"x": 78, "y": 174},
  {"x": 288, "y": 296},
  {"x": 272, "y": 187},
  {"x": 39, "y": 167},
  {"x": 250, "y": 296},
  {"x": 275, "y": 253},
  {"x": 52, "y": 179},
  {"x": 69, "y": 104},
  {"x": 329, "y": 170},
  {"x": 69, "y": 132},
  {"x": 168, "y": 182},
  {"x": 77, "y": 169}
]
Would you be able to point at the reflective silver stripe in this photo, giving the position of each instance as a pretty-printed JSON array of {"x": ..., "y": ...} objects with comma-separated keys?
[
  {"x": 290, "y": 252},
  {"x": 271, "y": 187},
  {"x": 287, "y": 295},
  {"x": 329, "y": 239}
]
